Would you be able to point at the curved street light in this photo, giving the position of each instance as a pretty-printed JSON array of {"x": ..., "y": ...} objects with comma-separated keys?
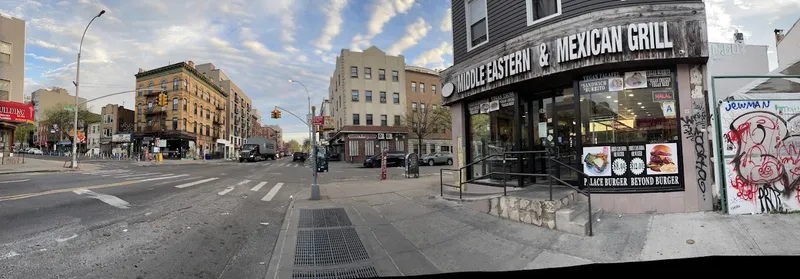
[
  {"x": 311, "y": 143},
  {"x": 77, "y": 88}
]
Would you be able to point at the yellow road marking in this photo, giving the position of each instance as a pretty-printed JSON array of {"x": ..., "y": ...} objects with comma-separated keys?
[{"x": 50, "y": 192}]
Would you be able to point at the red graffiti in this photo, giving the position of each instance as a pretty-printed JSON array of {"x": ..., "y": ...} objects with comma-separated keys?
[{"x": 768, "y": 156}]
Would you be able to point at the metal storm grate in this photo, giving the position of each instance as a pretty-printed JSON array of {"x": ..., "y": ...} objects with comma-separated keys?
[
  {"x": 326, "y": 247},
  {"x": 360, "y": 272},
  {"x": 323, "y": 218}
]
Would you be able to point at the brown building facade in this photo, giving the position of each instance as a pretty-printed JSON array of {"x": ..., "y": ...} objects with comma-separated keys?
[
  {"x": 193, "y": 120},
  {"x": 116, "y": 127},
  {"x": 422, "y": 99}
]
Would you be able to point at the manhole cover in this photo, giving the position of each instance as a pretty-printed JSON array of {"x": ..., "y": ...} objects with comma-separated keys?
[
  {"x": 360, "y": 272},
  {"x": 326, "y": 247},
  {"x": 323, "y": 218}
]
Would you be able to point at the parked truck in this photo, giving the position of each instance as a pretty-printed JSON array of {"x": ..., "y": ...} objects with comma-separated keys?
[{"x": 258, "y": 148}]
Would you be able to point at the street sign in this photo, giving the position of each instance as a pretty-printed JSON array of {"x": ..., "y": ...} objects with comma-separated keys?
[
  {"x": 308, "y": 119},
  {"x": 319, "y": 120},
  {"x": 69, "y": 108}
]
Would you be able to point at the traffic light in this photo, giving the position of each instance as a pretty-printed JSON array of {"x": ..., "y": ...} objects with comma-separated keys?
[
  {"x": 276, "y": 114},
  {"x": 162, "y": 99}
]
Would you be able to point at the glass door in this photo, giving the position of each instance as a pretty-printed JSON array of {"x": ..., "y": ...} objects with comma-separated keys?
[{"x": 561, "y": 124}]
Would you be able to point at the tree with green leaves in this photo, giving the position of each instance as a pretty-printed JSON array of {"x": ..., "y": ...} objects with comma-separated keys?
[
  {"x": 294, "y": 146},
  {"x": 65, "y": 119},
  {"x": 23, "y": 133},
  {"x": 425, "y": 120}
]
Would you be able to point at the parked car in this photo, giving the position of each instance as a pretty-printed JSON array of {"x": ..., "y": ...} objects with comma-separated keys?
[
  {"x": 35, "y": 151},
  {"x": 299, "y": 156},
  {"x": 335, "y": 157},
  {"x": 394, "y": 158},
  {"x": 436, "y": 158}
]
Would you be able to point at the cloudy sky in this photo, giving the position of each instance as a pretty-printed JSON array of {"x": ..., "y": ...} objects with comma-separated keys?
[{"x": 262, "y": 44}]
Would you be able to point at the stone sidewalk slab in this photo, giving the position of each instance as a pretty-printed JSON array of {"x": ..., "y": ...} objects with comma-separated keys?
[{"x": 408, "y": 230}]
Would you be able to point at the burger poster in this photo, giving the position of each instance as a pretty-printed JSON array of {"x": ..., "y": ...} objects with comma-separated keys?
[
  {"x": 662, "y": 158},
  {"x": 639, "y": 166}
]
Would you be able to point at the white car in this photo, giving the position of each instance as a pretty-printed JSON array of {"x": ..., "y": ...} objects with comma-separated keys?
[{"x": 35, "y": 151}]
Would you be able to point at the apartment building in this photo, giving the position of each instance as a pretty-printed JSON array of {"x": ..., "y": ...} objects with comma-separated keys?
[
  {"x": 12, "y": 80},
  {"x": 237, "y": 107},
  {"x": 50, "y": 98},
  {"x": 116, "y": 128},
  {"x": 278, "y": 132},
  {"x": 193, "y": 121},
  {"x": 367, "y": 92},
  {"x": 422, "y": 99}
]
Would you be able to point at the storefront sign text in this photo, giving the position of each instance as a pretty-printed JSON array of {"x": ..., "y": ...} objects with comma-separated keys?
[
  {"x": 632, "y": 166},
  {"x": 663, "y": 95},
  {"x": 362, "y": 136},
  {"x": 608, "y": 40},
  {"x": 508, "y": 65},
  {"x": 16, "y": 112}
]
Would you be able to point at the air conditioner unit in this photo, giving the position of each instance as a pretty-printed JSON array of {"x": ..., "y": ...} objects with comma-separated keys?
[
  {"x": 388, "y": 135},
  {"x": 380, "y": 135}
]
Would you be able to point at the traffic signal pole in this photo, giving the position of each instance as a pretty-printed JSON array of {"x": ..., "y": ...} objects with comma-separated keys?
[{"x": 276, "y": 113}]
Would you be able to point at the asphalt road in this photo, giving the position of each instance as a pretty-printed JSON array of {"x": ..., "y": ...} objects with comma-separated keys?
[{"x": 217, "y": 220}]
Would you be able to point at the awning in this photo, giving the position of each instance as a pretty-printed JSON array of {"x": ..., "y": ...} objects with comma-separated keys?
[
  {"x": 64, "y": 142},
  {"x": 224, "y": 142}
]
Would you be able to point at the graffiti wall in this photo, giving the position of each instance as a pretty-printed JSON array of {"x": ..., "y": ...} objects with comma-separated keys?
[
  {"x": 695, "y": 123},
  {"x": 761, "y": 150}
]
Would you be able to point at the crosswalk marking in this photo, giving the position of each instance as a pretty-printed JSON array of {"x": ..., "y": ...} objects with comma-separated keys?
[
  {"x": 154, "y": 176},
  {"x": 258, "y": 186},
  {"x": 272, "y": 192},
  {"x": 164, "y": 177},
  {"x": 138, "y": 175},
  {"x": 196, "y": 182},
  {"x": 230, "y": 188},
  {"x": 243, "y": 182}
]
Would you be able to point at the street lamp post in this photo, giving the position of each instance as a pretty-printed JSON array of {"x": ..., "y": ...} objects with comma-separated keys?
[
  {"x": 315, "y": 185},
  {"x": 77, "y": 88}
]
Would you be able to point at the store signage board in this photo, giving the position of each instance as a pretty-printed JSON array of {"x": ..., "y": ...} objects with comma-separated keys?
[
  {"x": 595, "y": 42},
  {"x": 16, "y": 112}
]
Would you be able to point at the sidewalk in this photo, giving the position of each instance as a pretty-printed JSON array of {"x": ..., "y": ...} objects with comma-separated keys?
[
  {"x": 39, "y": 165},
  {"x": 402, "y": 227}
]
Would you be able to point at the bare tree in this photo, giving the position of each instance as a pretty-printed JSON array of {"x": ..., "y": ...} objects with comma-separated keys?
[{"x": 425, "y": 120}]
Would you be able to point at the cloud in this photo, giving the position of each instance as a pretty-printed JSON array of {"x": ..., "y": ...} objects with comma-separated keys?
[
  {"x": 333, "y": 24},
  {"x": 447, "y": 21},
  {"x": 382, "y": 11},
  {"x": 414, "y": 32},
  {"x": 283, "y": 9},
  {"x": 290, "y": 49},
  {"x": 50, "y": 46},
  {"x": 261, "y": 49},
  {"x": 43, "y": 58},
  {"x": 435, "y": 57},
  {"x": 720, "y": 25}
]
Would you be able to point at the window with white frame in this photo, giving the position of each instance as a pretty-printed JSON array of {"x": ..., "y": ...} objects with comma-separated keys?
[
  {"x": 353, "y": 148},
  {"x": 5, "y": 52},
  {"x": 384, "y": 145},
  {"x": 369, "y": 148},
  {"x": 541, "y": 10},
  {"x": 478, "y": 28},
  {"x": 5, "y": 90},
  {"x": 400, "y": 145}
]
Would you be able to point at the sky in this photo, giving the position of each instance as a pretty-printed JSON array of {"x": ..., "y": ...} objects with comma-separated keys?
[{"x": 260, "y": 45}]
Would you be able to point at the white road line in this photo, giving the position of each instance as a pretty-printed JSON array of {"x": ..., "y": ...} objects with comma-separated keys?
[
  {"x": 138, "y": 174},
  {"x": 157, "y": 175},
  {"x": 109, "y": 199},
  {"x": 163, "y": 177},
  {"x": 243, "y": 182},
  {"x": 13, "y": 181},
  {"x": 196, "y": 182},
  {"x": 230, "y": 188},
  {"x": 258, "y": 186},
  {"x": 272, "y": 192}
]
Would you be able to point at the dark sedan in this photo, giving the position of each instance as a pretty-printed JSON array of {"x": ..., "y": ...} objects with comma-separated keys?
[{"x": 299, "y": 156}]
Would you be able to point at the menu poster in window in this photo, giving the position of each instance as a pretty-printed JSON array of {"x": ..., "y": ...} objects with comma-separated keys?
[
  {"x": 616, "y": 84},
  {"x": 593, "y": 86},
  {"x": 631, "y": 166},
  {"x": 635, "y": 79},
  {"x": 597, "y": 160},
  {"x": 662, "y": 158}
]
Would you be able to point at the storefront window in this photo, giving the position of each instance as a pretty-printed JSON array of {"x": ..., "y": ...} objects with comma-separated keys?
[
  {"x": 630, "y": 132},
  {"x": 492, "y": 132}
]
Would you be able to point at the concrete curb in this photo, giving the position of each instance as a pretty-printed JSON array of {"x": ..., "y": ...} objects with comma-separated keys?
[{"x": 36, "y": 171}]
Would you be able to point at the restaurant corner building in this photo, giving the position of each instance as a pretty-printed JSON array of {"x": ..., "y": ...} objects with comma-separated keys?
[{"x": 617, "y": 86}]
